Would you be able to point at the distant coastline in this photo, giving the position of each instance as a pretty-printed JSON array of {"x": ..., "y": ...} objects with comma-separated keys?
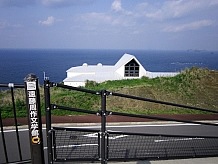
[{"x": 15, "y": 64}]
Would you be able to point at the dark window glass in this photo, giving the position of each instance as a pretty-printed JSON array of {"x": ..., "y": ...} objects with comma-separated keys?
[{"x": 132, "y": 69}]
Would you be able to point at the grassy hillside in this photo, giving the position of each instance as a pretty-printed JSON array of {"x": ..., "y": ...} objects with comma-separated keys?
[{"x": 194, "y": 87}]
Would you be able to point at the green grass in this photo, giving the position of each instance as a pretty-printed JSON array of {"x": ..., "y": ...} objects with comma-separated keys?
[{"x": 194, "y": 87}]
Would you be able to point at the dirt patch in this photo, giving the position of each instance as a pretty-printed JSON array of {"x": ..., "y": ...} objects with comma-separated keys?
[{"x": 111, "y": 118}]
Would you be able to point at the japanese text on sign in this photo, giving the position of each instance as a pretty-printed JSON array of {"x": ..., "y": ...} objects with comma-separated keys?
[{"x": 33, "y": 114}]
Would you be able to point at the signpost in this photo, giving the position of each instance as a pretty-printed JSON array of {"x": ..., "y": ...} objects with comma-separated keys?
[{"x": 34, "y": 118}]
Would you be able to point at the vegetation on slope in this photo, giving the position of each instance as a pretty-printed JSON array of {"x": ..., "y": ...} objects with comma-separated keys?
[{"x": 194, "y": 87}]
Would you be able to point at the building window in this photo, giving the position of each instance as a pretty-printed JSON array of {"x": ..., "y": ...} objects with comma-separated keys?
[{"x": 132, "y": 69}]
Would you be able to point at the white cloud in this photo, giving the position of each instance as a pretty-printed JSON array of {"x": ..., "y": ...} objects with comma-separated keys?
[
  {"x": 175, "y": 9},
  {"x": 47, "y": 3},
  {"x": 16, "y": 3},
  {"x": 65, "y": 3},
  {"x": 50, "y": 21},
  {"x": 53, "y": 2},
  {"x": 189, "y": 26},
  {"x": 107, "y": 20},
  {"x": 96, "y": 18},
  {"x": 214, "y": 2},
  {"x": 116, "y": 6},
  {"x": 4, "y": 25}
]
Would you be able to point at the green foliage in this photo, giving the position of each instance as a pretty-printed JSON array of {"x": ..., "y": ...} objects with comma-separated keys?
[{"x": 193, "y": 87}]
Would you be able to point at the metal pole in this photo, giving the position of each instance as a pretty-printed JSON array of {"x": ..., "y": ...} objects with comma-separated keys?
[
  {"x": 48, "y": 120},
  {"x": 3, "y": 138},
  {"x": 103, "y": 127},
  {"x": 34, "y": 118},
  {"x": 15, "y": 123}
]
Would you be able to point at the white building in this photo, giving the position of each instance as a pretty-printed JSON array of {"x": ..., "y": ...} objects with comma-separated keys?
[{"x": 128, "y": 67}]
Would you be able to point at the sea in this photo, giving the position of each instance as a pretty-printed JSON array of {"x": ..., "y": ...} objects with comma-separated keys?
[{"x": 16, "y": 64}]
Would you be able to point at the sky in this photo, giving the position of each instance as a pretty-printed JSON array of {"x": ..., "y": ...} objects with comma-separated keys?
[{"x": 109, "y": 24}]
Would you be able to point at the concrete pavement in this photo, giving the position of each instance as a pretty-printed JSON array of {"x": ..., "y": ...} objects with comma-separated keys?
[{"x": 211, "y": 160}]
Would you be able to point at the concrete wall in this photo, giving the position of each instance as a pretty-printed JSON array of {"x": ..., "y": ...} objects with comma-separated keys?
[
  {"x": 75, "y": 84},
  {"x": 160, "y": 74}
]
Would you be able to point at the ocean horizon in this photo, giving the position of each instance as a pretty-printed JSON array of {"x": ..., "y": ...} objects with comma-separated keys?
[{"x": 16, "y": 64}]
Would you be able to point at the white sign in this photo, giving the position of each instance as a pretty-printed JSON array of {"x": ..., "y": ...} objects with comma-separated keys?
[{"x": 31, "y": 85}]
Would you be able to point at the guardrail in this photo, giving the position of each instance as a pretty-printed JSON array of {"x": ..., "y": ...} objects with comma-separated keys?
[
  {"x": 66, "y": 144},
  {"x": 6, "y": 154},
  {"x": 73, "y": 144},
  {"x": 34, "y": 137}
]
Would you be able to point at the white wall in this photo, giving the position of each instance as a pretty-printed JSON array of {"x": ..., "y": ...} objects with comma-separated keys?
[
  {"x": 75, "y": 84},
  {"x": 142, "y": 71},
  {"x": 120, "y": 71},
  {"x": 71, "y": 74},
  {"x": 160, "y": 74}
]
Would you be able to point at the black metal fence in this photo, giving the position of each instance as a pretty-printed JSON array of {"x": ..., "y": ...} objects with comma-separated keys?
[
  {"x": 132, "y": 146},
  {"x": 71, "y": 144},
  {"x": 12, "y": 152},
  {"x": 74, "y": 144}
]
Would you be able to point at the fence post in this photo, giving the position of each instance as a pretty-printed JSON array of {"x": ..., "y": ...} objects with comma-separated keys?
[
  {"x": 3, "y": 138},
  {"x": 103, "y": 127},
  {"x": 48, "y": 120},
  {"x": 34, "y": 118},
  {"x": 11, "y": 85}
]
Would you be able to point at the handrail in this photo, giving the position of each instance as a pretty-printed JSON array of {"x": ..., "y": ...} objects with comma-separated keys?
[
  {"x": 12, "y": 85},
  {"x": 162, "y": 102}
]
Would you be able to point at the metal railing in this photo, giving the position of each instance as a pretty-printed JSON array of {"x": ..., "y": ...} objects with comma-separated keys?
[
  {"x": 67, "y": 144},
  {"x": 18, "y": 157},
  {"x": 73, "y": 144},
  {"x": 138, "y": 146}
]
